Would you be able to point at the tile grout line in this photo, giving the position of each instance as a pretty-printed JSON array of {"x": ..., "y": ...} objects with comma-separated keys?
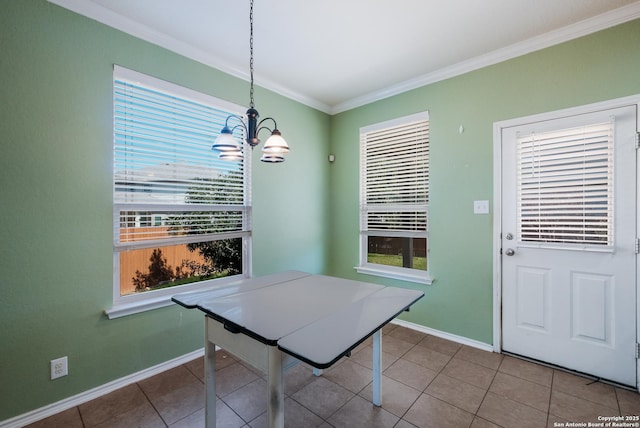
[
  {"x": 553, "y": 375},
  {"x": 400, "y": 418},
  {"x": 460, "y": 354},
  {"x": 155, "y": 409},
  {"x": 84, "y": 425},
  {"x": 487, "y": 392}
]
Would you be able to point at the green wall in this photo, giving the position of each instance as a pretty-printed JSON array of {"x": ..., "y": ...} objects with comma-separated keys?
[
  {"x": 56, "y": 203},
  {"x": 593, "y": 68},
  {"x": 56, "y": 190}
]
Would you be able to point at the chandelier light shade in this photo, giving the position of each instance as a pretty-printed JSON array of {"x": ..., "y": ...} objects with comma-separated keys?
[{"x": 231, "y": 148}]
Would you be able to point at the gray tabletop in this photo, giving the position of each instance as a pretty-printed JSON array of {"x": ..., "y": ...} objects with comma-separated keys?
[{"x": 315, "y": 318}]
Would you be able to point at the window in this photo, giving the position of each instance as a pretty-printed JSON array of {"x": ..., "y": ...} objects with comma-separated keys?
[
  {"x": 181, "y": 216},
  {"x": 565, "y": 188},
  {"x": 394, "y": 198}
]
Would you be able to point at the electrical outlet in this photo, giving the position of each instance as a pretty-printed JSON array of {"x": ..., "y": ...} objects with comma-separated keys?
[
  {"x": 481, "y": 207},
  {"x": 59, "y": 368}
]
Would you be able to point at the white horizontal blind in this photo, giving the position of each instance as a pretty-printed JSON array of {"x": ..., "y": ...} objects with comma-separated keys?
[
  {"x": 395, "y": 178},
  {"x": 158, "y": 223},
  {"x": 565, "y": 186},
  {"x": 167, "y": 182}
]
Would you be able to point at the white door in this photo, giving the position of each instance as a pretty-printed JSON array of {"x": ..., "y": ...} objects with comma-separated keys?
[{"x": 568, "y": 242}]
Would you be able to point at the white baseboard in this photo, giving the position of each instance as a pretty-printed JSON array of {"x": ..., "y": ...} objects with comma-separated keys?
[
  {"x": 83, "y": 397},
  {"x": 76, "y": 400},
  {"x": 452, "y": 337}
]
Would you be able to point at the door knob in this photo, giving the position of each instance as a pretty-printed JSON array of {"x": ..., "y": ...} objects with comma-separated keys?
[{"x": 509, "y": 252}]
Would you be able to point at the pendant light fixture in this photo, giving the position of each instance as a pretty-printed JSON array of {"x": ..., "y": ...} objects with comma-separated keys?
[{"x": 231, "y": 148}]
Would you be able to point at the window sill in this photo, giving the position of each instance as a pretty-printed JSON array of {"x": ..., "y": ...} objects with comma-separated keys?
[
  {"x": 123, "y": 309},
  {"x": 149, "y": 300},
  {"x": 421, "y": 278}
]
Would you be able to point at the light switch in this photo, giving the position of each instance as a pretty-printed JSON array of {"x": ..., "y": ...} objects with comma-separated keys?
[{"x": 481, "y": 207}]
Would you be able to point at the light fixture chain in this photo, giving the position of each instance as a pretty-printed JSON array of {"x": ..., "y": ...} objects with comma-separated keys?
[
  {"x": 230, "y": 149},
  {"x": 251, "y": 103}
]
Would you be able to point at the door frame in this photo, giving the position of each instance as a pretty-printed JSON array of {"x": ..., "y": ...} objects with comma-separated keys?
[{"x": 498, "y": 127}]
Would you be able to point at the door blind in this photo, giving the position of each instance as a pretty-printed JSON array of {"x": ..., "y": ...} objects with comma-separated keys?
[
  {"x": 395, "y": 178},
  {"x": 565, "y": 186}
]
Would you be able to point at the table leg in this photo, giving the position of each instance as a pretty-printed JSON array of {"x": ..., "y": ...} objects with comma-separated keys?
[
  {"x": 210, "y": 381},
  {"x": 377, "y": 365},
  {"x": 275, "y": 389}
]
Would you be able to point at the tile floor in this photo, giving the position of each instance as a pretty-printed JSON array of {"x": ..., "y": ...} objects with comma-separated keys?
[{"x": 427, "y": 382}]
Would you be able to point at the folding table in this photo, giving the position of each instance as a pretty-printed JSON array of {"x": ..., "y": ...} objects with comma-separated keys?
[{"x": 274, "y": 321}]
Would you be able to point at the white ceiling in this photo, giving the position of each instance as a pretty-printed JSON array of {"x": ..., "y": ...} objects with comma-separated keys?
[{"x": 337, "y": 54}]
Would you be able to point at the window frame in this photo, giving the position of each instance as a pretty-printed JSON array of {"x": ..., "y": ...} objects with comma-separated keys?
[
  {"x": 152, "y": 299},
  {"x": 393, "y": 272}
]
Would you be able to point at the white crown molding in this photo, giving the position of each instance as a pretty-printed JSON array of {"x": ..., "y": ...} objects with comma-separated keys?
[
  {"x": 606, "y": 20},
  {"x": 579, "y": 29},
  {"x": 112, "y": 19}
]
